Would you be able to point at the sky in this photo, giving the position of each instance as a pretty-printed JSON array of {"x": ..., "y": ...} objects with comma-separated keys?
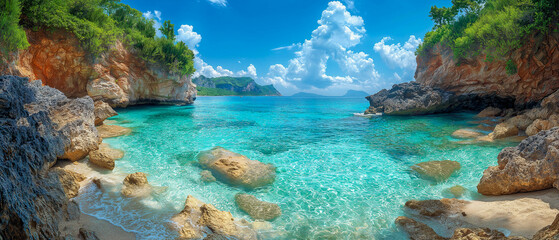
[{"x": 323, "y": 47}]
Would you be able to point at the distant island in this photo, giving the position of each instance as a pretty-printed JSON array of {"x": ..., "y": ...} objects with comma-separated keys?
[
  {"x": 348, "y": 94},
  {"x": 232, "y": 86}
]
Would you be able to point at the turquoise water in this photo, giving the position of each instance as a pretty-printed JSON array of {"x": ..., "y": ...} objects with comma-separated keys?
[{"x": 339, "y": 176}]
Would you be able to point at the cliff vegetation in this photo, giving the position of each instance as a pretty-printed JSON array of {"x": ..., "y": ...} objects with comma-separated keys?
[
  {"x": 97, "y": 24},
  {"x": 489, "y": 27},
  {"x": 232, "y": 86}
]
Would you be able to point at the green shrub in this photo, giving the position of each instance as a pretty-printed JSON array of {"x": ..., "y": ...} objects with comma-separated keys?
[
  {"x": 12, "y": 35},
  {"x": 511, "y": 67}
]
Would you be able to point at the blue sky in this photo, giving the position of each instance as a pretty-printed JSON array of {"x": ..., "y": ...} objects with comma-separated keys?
[{"x": 324, "y": 47}]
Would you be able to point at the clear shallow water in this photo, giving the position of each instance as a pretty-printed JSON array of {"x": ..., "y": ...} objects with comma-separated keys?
[{"x": 339, "y": 176}]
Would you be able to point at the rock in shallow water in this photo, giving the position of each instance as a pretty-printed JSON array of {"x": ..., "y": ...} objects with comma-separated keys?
[
  {"x": 105, "y": 157},
  {"x": 198, "y": 219},
  {"x": 417, "y": 230},
  {"x": 257, "y": 209},
  {"x": 135, "y": 185},
  {"x": 207, "y": 176},
  {"x": 530, "y": 166},
  {"x": 466, "y": 133},
  {"x": 109, "y": 131},
  {"x": 435, "y": 208},
  {"x": 436, "y": 170},
  {"x": 237, "y": 169}
]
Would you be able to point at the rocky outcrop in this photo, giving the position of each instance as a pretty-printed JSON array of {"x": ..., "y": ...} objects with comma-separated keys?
[
  {"x": 236, "y": 169},
  {"x": 466, "y": 133},
  {"x": 136, "y": 184},
  {"x": 435, "y": 208},
  {"x": 436, "y": 170},
  {"x": 102, "y": 111},
  {"x": 537, "y": 61},
  {"x": 530, "y": 166},
  {"x": 70, "y": 181},
  {"x": 199, "y": 219},
  {"x": 257, "y": 209},
  {"x": 32, "y": 199},
  {"x": 412, "y": 98},
  {"x": 105, "y": 156},
  {"x": 118, "y": 77}
]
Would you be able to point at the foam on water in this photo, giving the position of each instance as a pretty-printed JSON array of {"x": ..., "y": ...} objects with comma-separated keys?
[{"x": 339, "y": 176}]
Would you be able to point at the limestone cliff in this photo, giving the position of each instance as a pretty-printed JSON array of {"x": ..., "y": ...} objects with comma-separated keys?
[
  {"x": 537, "y": 62},
  {"x": 119, "y": 77}
]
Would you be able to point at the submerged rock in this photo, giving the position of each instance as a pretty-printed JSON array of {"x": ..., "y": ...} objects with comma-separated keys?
[
  {"x": 105, "y": 157},
  {"x": 417, "y": 230},
  {"x": 436, "y": 170},
  {"x": 136, "y": 184},
  {"x": 237, "y": 169},
  {"x": 530, "y": 166},
  {"x": 503, "y": 130},
  {"x": 435, "y": 208},
  {"x": 457, "y": 190},
  {"x": 466, "y": 133},
  {"x": 109, "y": 131},
  {"x": 207, "y": 176},
  {"x": 198, "y": 219},
  {"x": 103, "y": 111},
  {"x": 257, "y": 209}
]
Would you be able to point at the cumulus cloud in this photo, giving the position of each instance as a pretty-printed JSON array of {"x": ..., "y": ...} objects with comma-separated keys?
[
  {"x": 188, "y": 36},
  {"x": 396, "y": 55},
  {"x": 222, "y": 3},
  {"x": 338, "y": 31}
]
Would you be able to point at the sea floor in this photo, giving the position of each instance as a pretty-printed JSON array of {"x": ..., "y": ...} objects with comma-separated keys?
[{"x": 339, "y": 176}]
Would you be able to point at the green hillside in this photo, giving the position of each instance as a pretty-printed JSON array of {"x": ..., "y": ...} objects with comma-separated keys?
[{"x": 232, "y": 86}]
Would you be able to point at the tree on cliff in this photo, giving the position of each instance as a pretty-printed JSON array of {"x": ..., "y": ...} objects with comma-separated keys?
[
  {"x": 168, "y": 30},
  {"x": 12, "y": 35}
]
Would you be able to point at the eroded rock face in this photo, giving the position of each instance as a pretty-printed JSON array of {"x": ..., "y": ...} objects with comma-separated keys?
[
  {"x": 31, "y": 201},
  {"x": 237, "y": 169},
  {"x": 257, "y": 209},
  {"x": 436, "y": 170},
  {"x": 102, "y": 111},
  {"x": 412, "y": 98},
  {"x": 70, "y": 181},
  {"x": 537, "y": 77},
  {"x": 198, "y": 219},
  {"x": 74, "y": 118},
  {"x": 119, "y": 77},
  {"x": 530, "y": 166}
]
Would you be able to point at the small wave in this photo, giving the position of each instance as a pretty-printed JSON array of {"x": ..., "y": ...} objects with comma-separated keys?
[{"x": 367, "y": 115}]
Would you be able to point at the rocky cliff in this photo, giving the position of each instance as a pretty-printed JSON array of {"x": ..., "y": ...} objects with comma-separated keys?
[
  {"x": 232, "y": 86},
  {"x": 38, "y": 124},
  {"x": 118, "y": 77},
  {"x": 537, "y": 75}
]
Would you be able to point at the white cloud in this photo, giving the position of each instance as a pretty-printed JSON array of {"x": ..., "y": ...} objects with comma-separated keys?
[
  {"x": 222, "y": 3},
  {"x": 338, "y": 31},
  {"x": 397, "y": 55},
  {"x": 156, "y": 17},
  {"x": 290, "y": 47},
  {"x": 186, "y": 35}
]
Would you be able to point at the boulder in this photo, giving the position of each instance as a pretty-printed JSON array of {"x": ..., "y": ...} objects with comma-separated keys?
[
  {"x": 503, "y": 130},
  {"x": 102, "y": 111},
  {"x": 135, "y": 185},
  {"x": 417, "y": 230},
  {"x": 198, "y": 219},
  {"x": 105, "y": 157},
  {"x": 436, "y": 170},
  {"x": 457, "y": 191},
  {"x": 481, "y": 234},
  {"x": 490, "y": 112},
  {"x": 466, "y": 133},
  {"x": 109, "y": 131},
  {"x": 257, "y": 209},
  {"x": 207, "y": 176},
  {"x": 87, "y": 234},
  {"x": 530, "y": 166},
  {"x": 549, "y": 232},
  {"x": 537, "y": 126},
  {"x": 70, "y": 181},
  {"x": 74, "y": 118},
  {"x": 236, "y": 169},
  {"x": 435, "y": 208}
]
